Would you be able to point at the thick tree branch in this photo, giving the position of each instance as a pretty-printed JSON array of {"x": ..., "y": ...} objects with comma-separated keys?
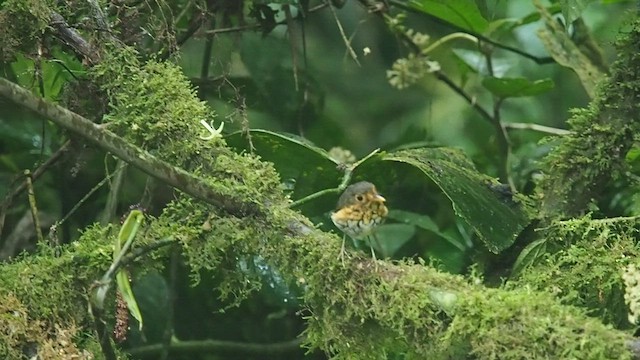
[{"x": 133, "y": 155}]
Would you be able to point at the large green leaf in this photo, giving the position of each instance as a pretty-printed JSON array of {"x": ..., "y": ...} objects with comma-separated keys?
[
  {"x": 306, "y": 167},
  {"x": 496, "y": 218},
  {"x": 516, "y": 87},
  {"x": 461, "y": 13}
]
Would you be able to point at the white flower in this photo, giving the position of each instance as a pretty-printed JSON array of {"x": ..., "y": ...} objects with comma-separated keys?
[{"x": 213, "y": 132}]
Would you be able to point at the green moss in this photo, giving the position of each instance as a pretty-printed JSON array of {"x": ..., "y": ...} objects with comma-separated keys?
[
  {"x": 42, "y": 282},
  {"x": 23, "y": 23},
  {"x": 16, "y": 328},
  {"x": 154, "y": 106},
  {"x": 585, "y": 269},
  {"x": 526, "y": 324},
  {"x": 594, "y": 154},
  {"x": 46, "y": 293}
]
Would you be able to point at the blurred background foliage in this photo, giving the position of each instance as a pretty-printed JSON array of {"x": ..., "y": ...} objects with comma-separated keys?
[{"x": 285, "y": 67}]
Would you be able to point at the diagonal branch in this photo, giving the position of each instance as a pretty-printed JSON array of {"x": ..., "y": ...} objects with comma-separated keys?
[{"x": 105, "y": 139}]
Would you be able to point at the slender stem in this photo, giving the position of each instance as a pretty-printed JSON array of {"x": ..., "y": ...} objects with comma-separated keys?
[
  {"x": 446, "y": 38},
  {"x": 33, "y": 205},
  {"x": 346, "y": 178},
  {"x": 471, "y": 100},
  {"x": 88, "y": 194},
  {"x": 347, "y": 43},
  {"x": 11, "y": 195},
  {"x": 504, "y": 145},
  {"x": 315, "y": 195},
  {"x": 229, "y": 29},
  {"x": 539, "y": 128}
]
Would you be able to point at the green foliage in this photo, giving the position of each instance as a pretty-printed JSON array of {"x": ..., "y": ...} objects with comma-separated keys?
[
  {"x": 585, "y": 267},
  {"x": 496, "y": 324},
  {"x": 23, "y": 23},
  {"x": 516, "y": 87},
  {"x": 497, "y": 218},
  {"x": 462, "y": 13},
  {"x": 594, "y": 161},
  {"x": 235, "y": 276}
]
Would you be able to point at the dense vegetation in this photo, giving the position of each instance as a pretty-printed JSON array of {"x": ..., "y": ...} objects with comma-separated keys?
[{"x": 172, "y": 167}]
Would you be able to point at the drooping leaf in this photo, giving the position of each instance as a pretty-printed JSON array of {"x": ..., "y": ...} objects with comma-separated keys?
[
  {"x": 528, "y": 256},
  {"x": 127, "y": 233},
  {"x": 516, "y": 87},
  {"x": 461, "y": 13},
  {"x": 496, "y": 219},
  {"x": 305, "y": 166}
]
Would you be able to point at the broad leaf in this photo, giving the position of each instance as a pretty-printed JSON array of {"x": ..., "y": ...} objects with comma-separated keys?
[
  {"x": 496, "y": 218},
  {"x": 424, "y": 222},
  {"x": 391, "y": 237},
  {"x": 306, "y": 167},
  {"x": 516, "y": 87},
  {"x": 462, "y": 13}
]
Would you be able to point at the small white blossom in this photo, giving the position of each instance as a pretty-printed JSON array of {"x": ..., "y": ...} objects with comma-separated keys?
[{"x": 213, "y": 132}]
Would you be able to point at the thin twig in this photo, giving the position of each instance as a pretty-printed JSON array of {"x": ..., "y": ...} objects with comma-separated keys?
[
  {"x": 460, "y": 91},
  {"x": 87, "y": 195},
  {"x": 346, "y": 179},
  {"x": 539, "y": 128},
  {"x": 11, "y": 195},
  {"x": 33, "y": 204},
  {"x": 292, "y": 44},
  {"x": 229, "y": 30},
  {"x": 347, "y": 43}
]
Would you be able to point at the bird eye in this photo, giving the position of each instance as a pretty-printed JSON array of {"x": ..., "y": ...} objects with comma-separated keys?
[{"x": 359, "y": 197}]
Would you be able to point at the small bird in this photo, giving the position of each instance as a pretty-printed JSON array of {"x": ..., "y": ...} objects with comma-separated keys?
[{"x": 360, "y": 209}]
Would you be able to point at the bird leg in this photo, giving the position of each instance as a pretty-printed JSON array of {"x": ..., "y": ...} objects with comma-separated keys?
[
  {"x": 342, "y": 250},
  {"x": 373, "y": 252},
  {"x": 375, "y": 239}
]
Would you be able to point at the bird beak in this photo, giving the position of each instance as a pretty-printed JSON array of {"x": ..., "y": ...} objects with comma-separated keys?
[{"x": 380, "y": 198}]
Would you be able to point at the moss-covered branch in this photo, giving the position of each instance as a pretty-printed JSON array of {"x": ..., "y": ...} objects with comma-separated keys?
[
  {"x": 99, "y": 135},
  {"x": 585, "y": 161}
]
